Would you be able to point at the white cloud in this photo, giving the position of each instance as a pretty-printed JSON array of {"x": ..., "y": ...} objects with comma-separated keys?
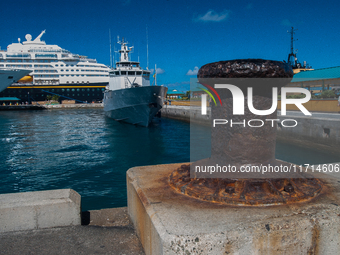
[
  {"x": 286, "y": 23},
  {"x": 193, "y": 72},
  {"x": 180, "y": 86},
  {"x": 159, "y": 70},
  {"x": 213, "y": 16}
]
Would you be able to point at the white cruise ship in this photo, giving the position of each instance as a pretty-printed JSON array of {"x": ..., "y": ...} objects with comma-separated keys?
[{"x": 55, "y": 71}]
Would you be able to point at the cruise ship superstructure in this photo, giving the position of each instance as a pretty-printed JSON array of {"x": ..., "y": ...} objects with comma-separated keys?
[
  {"x": 55, "y": 71},
  {"x": 129, "y": 96}
]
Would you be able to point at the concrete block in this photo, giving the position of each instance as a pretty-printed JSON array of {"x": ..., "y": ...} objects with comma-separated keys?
[
  {"x": 40, "y": 209},
  {"x": 168, "y": 222}
]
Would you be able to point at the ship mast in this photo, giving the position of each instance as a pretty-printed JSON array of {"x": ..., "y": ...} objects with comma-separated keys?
[
  {"x": 124, "y": 51},
  {"x": 292, "y": 60}
]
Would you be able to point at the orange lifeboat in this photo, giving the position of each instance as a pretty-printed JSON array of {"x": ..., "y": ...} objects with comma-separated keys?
[{"x": 26, "y": 79}]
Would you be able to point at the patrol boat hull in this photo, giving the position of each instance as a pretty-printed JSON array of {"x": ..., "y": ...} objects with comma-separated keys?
[{"x": 135, "y": 105}]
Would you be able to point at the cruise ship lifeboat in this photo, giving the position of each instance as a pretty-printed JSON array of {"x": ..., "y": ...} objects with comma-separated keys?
[{"x": 26, "y": 79}]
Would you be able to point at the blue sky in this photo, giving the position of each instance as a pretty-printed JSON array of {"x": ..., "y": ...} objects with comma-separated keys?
[{"x": 182, "y": 35}]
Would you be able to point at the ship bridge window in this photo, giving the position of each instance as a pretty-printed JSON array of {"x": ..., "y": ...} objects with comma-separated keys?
[
  {"x": 123, "y": 72},
  {"x": 131, "y": 73},
  {"x": 18, "y": 55},
  {"x": 46, "y": 55},
  {"x": 139, "y": 73}
]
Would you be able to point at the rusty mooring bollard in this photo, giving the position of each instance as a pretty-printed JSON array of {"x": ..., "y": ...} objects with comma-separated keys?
[
  {"x": 241, "y": 143},
  {"x": 237, "y": 143}
]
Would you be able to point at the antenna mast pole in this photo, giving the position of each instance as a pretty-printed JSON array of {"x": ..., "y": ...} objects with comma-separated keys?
[
  {"x": 292, "y": 55},
  {"x": 147, "y": 49},
  {"x": 292, "y": 32},
  {"x": 111, "y": 60}
]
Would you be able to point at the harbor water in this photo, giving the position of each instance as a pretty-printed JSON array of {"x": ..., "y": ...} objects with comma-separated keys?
[{"x": 83, "y": 150}]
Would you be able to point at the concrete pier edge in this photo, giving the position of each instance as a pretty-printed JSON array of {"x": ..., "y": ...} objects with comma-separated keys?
[
  {"x": 171, "y": 223},
  {"x": 39, "y": 209}
]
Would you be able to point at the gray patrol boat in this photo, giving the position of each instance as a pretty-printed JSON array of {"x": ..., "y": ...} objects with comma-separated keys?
[{"x": 129, "y": 96}]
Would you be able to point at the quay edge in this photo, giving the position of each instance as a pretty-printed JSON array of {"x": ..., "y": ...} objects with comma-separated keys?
[{"x": 321, "y": 130}]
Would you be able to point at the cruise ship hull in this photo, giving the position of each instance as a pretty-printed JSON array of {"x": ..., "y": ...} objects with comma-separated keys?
[
  {"x": 9, "y": 76},
  {"x": 134, "y": 105},
  {"x": 78, "y": 92}
]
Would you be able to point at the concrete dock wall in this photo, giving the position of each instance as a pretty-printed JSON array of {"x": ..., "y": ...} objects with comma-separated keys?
[
  {"x": 40, "y": 209},
  {"x": 320, "y": 105},
  {"x": 321, "y": 130},
  {"x": 313, "y": 105},
  {"x": 186, "y": 113},
  {"x": 74, "y": 106},
  {"x": 315, "y": 132}
]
